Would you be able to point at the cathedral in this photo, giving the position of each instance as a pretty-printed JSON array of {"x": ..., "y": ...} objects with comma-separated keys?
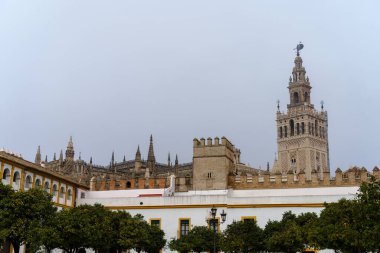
[{"x": 302, "y": 143}]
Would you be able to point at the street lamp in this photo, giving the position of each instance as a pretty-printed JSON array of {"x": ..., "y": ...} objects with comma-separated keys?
[{"x": 214, "y": 222}]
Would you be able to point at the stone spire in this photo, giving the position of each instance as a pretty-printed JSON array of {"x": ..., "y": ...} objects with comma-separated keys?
[
  {"x": 37, "y": 160},
  {"x": 70, "y": 150},
  {"x": 113, "y": 158},
  {"x": 55, "y": 157},
  {"x": 176, "y": 165},
  {"x": 138, "y": 160},
  {"x": 138, "y": 154},
  {"x": 46, "y": 160},
  {"x": 61, "y": 157},
  {"x": 124, "y": 159},
  {"x": 169, "y": 159},
  {"x": 151, "y": 157}
]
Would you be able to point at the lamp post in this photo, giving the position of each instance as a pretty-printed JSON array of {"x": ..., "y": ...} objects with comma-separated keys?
[{"x": 214, "y": 222}]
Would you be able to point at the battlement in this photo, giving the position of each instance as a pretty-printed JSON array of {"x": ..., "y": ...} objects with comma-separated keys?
[
  {"x": 212, "y": 143},
  {"x": 352, "y": 177}
]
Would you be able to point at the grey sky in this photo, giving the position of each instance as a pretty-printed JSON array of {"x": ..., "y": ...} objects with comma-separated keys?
[{"x": 110, "y": 73}]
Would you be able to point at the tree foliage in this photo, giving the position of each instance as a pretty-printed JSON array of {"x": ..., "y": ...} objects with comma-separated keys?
[
  {"x": 243, "y": 236},
  {"x": 353, "y": 225},
  {"x": 199, "y": 239},
  {"x": 23, "y": 213}
]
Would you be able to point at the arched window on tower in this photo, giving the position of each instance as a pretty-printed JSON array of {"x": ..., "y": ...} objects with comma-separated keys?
[
  {"x": 306, "y": 97},
  {"x": 303, "y": 127},
  {"x": 312, "y": 128},
  {"x": 285, "y": 131},
  {"x": 298, "y": 128},
  {"x": 309, "y": 128},
  {"x": 280, "y": 132},
  {"x": 296, "y": 98},
  {"x": 316, "y": 128},
  {"x": 291, "y": 122}
]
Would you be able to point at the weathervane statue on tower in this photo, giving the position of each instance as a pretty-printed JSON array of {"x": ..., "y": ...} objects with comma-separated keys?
[{"x": 299, "y": 48}]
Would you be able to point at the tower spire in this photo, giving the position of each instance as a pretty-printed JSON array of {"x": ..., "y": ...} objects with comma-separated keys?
[
  {"x": 151, "y": 158},
  {"x": 37, "y": 160},
  {"x": 138, "y": 154},
  {"x": 70, "y": 150},
  {"x": 169, "y": 159}
]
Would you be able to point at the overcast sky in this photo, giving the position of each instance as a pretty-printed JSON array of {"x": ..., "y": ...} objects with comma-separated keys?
[{"x": 110, "y": 73}]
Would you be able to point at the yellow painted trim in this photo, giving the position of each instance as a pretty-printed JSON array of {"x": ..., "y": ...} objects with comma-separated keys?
[
  {"x": 11, "y": 178},
  {"x": 179, "y": 225},
  {"x": 22, "y": 179},
  {"x": 34, "y": 180},
  {"x": 10, "y": 247},
  {"x": 43, "y": 182},
  {"x": 1, "y": 170},
  {"x": 208, "y": 222},
  {"x": 59, "y": 191},
  {"x": 153, "y": 219},
  {"x": 61, "y": 205},
  {"x": 34, "y": 168},
  {"x": 51, "y": 186},
  {"x": 73, "y": 196},
  {"x": 248, "y": 218},
  {"x": 67, "y": 190},
  {"x": 218, "y": 205}
]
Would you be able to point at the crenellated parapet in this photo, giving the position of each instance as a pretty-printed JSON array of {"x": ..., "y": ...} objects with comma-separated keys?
[{"x": 352, "y": 177}]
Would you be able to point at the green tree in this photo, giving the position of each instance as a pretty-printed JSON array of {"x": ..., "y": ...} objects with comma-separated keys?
[
  {"x": 291, "y": 234},
  {"x": 133, "y": 233},
  {"x": 199, "y": 239},
  {"x": 353, "y": 225},
  {"x": 22, "y": 212},
  {"x": 243, "y": 236},
  {"x": 156, "y": 240},
  {"x": 85, "y": 226}
]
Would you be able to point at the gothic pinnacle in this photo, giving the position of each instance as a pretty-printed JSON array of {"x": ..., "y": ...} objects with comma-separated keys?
[{"x": 37, "y": 160}]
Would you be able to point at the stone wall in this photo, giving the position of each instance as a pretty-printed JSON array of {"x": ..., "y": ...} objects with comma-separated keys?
[{"x": 352, "y": 177}]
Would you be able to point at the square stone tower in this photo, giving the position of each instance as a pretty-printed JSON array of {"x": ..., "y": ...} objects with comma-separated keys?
[
  {"x": 302, "y": 131},
  {"x": 212, "y": 162}
]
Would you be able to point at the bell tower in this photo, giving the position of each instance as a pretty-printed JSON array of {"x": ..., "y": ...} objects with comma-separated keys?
[{"x": 302, "y": 139}]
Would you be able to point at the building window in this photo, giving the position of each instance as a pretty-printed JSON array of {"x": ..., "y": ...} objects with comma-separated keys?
[
  {"x": 214, "y": 224},
  {"x": 248, "y": 218},
  {"x": 46, "y": 187},
  {"x": 16, "y": 178},
  {"x": 62, "y": 192},
  {"x": 28, "y": 182},
  {"x": 184, "y": 227},
  {"x": 7, "y": 176},
  {"x": 69, "y": 194},
  {"x": 82, "y": 195},
  {"x": 37, "y": 183},
  {"x": 128, "y": 184},
  {"x": 291, "y": 127},
  {"x": 209, "y": 175},
  {"x": 155, "y": 222},
  {"x": 55, "y": 190}
]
